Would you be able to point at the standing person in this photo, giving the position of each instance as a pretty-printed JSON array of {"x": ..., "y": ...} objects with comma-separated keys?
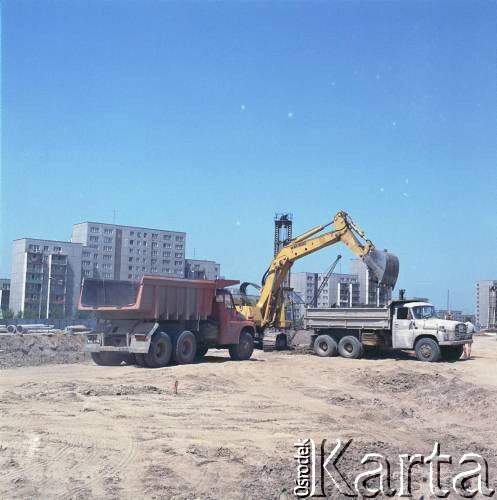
[{"x": 467, "y": 347}]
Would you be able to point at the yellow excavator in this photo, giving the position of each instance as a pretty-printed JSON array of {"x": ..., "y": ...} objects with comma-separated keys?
[{"x": 268, "y": 311}]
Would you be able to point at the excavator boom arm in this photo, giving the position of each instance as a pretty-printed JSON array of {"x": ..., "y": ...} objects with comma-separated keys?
[{"x": 383, "y": 265}]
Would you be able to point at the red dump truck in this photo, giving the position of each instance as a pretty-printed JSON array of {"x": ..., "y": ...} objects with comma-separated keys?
[{"x": 161, "y": 320}]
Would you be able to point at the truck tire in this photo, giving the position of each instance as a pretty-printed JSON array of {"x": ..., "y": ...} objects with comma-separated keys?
[
  {"x": 201, "y": 351},
  {"x": 160, "y": 351},
  {"x": 427, "y": 349},
  {"x": 281, "y": 342},
  {"x": 140, "y": 360},
  {"x": 185, "y": 348},
  {"x": 244, "y": 349},
  {"x": 325, "y": 346},
  {"x": 452, "y": 352},
  {"x": 350, "y": 347},
  {"x": 107, "y": 358}
]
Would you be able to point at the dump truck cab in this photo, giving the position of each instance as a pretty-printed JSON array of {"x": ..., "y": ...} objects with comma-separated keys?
[
  {"x": 414, "y": 320},
  {"x": 159, "y": 320}
]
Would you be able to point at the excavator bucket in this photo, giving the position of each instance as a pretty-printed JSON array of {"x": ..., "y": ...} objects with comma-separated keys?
[{"x": 383, "y": 265}]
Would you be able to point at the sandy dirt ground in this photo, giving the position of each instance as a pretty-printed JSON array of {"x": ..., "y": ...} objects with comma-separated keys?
[{"x": 85, "y": 431}]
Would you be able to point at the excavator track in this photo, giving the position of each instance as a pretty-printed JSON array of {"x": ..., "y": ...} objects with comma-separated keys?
[{"x": 274, "y": 340}]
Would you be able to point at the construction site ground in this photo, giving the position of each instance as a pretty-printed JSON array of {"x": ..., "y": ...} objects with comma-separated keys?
[{"x": 77, "y": 430}]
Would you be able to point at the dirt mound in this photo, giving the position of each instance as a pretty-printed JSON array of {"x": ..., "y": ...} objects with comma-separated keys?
[{"x": 34, "y": 350}]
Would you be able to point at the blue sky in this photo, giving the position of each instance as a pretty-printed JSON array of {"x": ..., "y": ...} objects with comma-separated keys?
[{"x": 209, "y": 117}]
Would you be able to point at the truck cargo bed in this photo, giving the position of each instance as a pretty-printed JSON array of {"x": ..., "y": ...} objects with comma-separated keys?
[
  {"x": 153, "y": 298},
  {"x": 369, "y": 318}
]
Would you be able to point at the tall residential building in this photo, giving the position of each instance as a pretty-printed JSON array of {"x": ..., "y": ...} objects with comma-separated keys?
[
  {"x": 370, "y": 292},
  {"x": 4, "y": 293},
  {"x": 45, "y": 277},
  {"x": 126, "y": 253},
  {"x": 485, "y": 307},
  {"x": 341, "y": 290},
  {"x": 202, "y": 269}
]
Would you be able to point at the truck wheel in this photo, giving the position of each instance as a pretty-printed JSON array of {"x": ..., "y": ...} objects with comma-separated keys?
[
  {"x": 452, "y": 352},
  {"x": 325, "y": 346},
  {"x": 244, "y": 349},
  {"x": 201, "y": 351},
  {"x": 140, "y": 360},
  {"x": 350, "y": 347},
  {"x": 281, "y": 342},
  {"x": 185, "y": 348},
  {"x": 107, "y": 358},
  {"x": 427, "y": 350},
  {"x": 95, "y": 356},
  {"x": 160, "y": 351}
]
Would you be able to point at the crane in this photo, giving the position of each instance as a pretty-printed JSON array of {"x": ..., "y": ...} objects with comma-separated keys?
[{"x": 325, "y": 281}]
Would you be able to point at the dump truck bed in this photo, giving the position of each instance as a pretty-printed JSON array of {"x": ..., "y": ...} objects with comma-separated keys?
[
  {"x": 153, "y": 298},
  {"x": 369, "y": 318}
]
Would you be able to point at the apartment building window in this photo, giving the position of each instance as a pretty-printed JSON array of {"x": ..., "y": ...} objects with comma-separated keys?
[
  {"x": 144, "y": 235},
  {"x": 130, "y": 276},
  {"x": 167, "y": 236},
  {"x": 154, "y": 236},
  {"x": 94, "y": 229},
  {"x": 45, "y": 248},
  {"x": 168, "y": 270},
  {"x": 95, "y": 265},
  {"x": 107, "y": 266},
  {"x": 86, "y": 263},
  {"x": 94, "y": 238},
  {"x": 107, "y": 249},
  {"x": 86, "y": 272},
  {"x": 130, "y": 268},
  {"x": 144, "y": 260},
  {"x": 179, "y": 238},
  {"x": 106, "y": 275},
  {"x": 154, "y": 269},
  {"x": 95, "y": 256},
  {"x": 178, "y": 262},
  {"x": 131, "y": 242},
  {"x": 107, "y": 257},
  {"x": 130, "y": 259},
  {"x": 86, "y": 254},
  {"x": 178, "y": 271},
  {"x": 144, "y": 243},
  {"x": 131, "y": 250},
  {"x": 131, "y": 233},
  {"x": 178, "y": 254},
  {"x": 108, "y": 230},
  {"x": 138, "y": 234},
  {"x": 143, "y": 268},
  {"x": 166, "y": 254},
  {"x": 34, "y": 248},
  {"x": 57, "y": 249},
  {"x": 166, "y": 262},
  {"x": 153, "y": 261},
  {"x": 179, "y": 247},
  {"x": 107, "y": 239},
  {"x": 154, "y": 244},
  {"x": 166, "y": 245},
  {"x": 93, "y": 246},
  {"x": 137, "y": 268},
  {"x": 154, "y": 253},
  {"x": 136, "y": 276}
]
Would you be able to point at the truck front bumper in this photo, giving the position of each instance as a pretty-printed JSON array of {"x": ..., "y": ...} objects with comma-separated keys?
[{"x": 456, "y": 342}]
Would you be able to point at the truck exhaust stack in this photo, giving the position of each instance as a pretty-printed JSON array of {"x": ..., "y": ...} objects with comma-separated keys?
[{"x": 384, "y": 266}]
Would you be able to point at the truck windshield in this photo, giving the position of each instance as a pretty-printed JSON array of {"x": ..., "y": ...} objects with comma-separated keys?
[{"x": 424, "y": 312}]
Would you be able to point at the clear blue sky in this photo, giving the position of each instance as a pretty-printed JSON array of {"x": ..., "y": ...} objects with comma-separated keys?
[{"x": 209, "y": 117}]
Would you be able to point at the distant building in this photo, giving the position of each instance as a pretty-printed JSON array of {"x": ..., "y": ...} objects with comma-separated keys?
[
  {"x": 126, "y": 252},
  {"x": 202, "y": 269},
  {"x": 4, "y": 293},
  {"x": 485, "y": 307},
  {"x": 45, "y": 278},
  {"x": 454, "y": 315},
  {"x": 370, "y": 293},
  {"x": 341, "y": 290}
]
